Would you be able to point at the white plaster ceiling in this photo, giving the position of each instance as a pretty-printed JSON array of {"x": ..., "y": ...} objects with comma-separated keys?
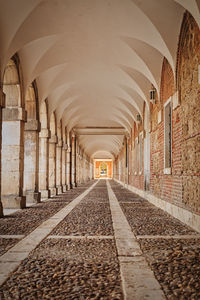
[{"x": 93, "y": 60}]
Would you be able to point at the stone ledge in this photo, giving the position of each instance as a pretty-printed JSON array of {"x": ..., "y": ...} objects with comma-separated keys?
[{"x": 189, "y": 218}]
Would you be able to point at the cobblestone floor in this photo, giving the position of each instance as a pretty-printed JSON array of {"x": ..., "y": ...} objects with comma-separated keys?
[
  {"x": 79, "y": 259},
  {"x": 24, "y": 221}
]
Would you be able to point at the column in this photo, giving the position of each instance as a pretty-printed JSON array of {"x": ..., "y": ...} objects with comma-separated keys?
[
  {"x": 68, "y": 167},
  {"x": 64, "y": 167},
  {"x": 13, "y": 157},
  {"x": 52, "y": 165},
  {"x": 59, "y": 166},
  {"x": 73, "y": 161},
  {"x": 44, "y": 163},
  {"x": 2, "y": 104},
  {"x": 31, "y": 161}
]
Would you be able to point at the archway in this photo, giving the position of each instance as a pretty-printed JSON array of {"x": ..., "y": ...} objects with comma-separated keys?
[{"x": 14, "y": 118}]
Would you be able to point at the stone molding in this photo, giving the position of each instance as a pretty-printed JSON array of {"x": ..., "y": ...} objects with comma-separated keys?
[
  {"x": 65, "y": 146},
  {"x": 14, "y": 114},
  {"x": 53, "y": 139},
  {"x": 2, "y": 99},
  {"x": 60, "y": 143},
  {"x": 189, "y": 218},
  {"x": 45, "y": 133},
  {"x": 32, "y": 125}
]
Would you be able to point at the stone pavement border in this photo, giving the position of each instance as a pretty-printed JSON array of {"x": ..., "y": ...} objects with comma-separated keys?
[
  {"x": 13, "y": 257},
  {"x": 138, "y": 280}
]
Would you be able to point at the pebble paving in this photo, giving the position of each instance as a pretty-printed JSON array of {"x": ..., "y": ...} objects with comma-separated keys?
[
  {"x": 91, "y": 217},
  {"x": 72, "y": 268},
  {"x": 175, "y": 262},
  {"x": 24, "y": 221},
  {"x": 79, "y": 267}
]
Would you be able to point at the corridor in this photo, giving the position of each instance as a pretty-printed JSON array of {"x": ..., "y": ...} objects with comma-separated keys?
[{"x": 98, "y": 241}]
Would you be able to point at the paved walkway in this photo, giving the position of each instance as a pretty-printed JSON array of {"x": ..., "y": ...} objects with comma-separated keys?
[{"x": 98, "y": 241}]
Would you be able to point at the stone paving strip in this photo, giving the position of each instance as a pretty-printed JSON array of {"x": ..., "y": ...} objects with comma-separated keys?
[
  {"x": 138, "y": 279},
  {"x": 15, "y": 255}
]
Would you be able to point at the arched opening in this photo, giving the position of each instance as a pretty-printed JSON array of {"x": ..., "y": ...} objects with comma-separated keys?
[
  {"x": 103, "y": 168},
  {"x": 14, "y": 118},
  {"x": 31, "y": 146}
]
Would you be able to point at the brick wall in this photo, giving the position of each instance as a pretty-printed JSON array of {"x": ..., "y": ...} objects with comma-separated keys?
[
  {"x": 189, "y": 97},
  {"x": 182, "y": 186}
]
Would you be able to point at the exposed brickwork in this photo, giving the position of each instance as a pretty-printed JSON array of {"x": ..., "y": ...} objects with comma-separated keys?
[
  {"x": 189, "y": 96},
  {"x": 182, "y": 186}
]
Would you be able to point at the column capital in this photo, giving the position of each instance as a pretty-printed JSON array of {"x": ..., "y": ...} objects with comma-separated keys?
[
  {"x": 45, "y": 133},
  {"x": 14, "y": 114},
  {"x": 2, "y": 99},
  {"x": 60, "y": 143},
  {"x": 32, "y": 125},
  {"x": 65, "y": 146},
  {"x": 53, "y": 139},
  {"x": 69, "y": 150}
]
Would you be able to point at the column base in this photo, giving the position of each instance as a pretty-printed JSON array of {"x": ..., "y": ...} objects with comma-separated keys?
[
  {"x": 13, "y": 201},
  {"x": 1, "y": 210},
  {"x": 33, "y": 197},
  {"x": 72, "y": 185},
  {"x": 59, "y": 189},
  {"x": 68, "y": 187},
  {"x": 45, "y": 194},
  {"x": 64, "y": 188},
  {"x": 53, "y": 191}
]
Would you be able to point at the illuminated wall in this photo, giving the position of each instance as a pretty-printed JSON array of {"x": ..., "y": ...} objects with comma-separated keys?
[{"x": 103, "y": 168}]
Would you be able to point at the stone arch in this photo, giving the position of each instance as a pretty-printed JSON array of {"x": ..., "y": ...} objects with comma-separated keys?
[{"x": 14, "y": 117}]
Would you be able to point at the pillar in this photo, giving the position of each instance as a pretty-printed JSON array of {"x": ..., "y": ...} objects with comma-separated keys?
[
  {"x": 64, "y": 167},
  {"x": 13, "y": 157},
  {"x": 68, "y": 167},
  {"x": 31, "y": 161},
  {"x": 44, "y": 163},
  {"x": 59, "y": 166},
  {"x": 73, "y": 161},
  {"x": 2, "y": 104},
  {"x": 52, "y": 165}
]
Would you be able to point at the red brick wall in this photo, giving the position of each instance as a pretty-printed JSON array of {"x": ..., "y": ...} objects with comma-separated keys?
[
  {"x": 182, "y": 186},
  {"x": 189, "y": 96}
]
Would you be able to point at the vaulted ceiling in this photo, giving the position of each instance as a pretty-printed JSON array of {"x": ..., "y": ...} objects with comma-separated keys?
[{"x": 94, "y": 60}]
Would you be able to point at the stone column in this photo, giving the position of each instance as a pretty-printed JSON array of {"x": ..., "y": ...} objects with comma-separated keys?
[
  {"x": 52, "y": 165},
  {"x": 44, "y": 163},
  {"x": 2, "y": 105},
  {"x": 68, "y": 167},
  {"x": 59, "y": 166},
  {"x": 31, "y": 161},
  {"x": 73, "y": 162},
  {"x": 64, "y": 166},
  {"x": 13, "y": 157}
]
